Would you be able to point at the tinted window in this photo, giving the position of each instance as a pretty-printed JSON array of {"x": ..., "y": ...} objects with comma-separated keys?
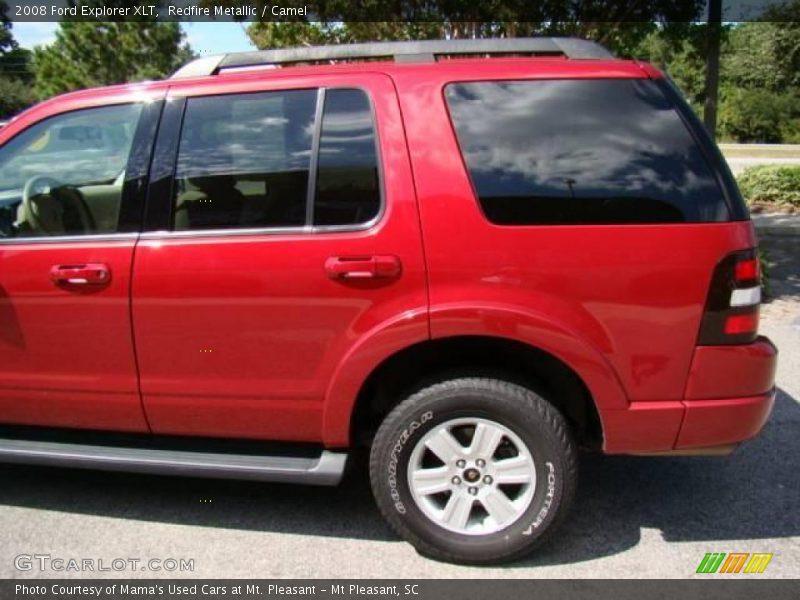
[
  {"x": 347, "y": 189},
  {"x": 243, "y": 160},
  {"x": 64, "y": 175},
  {"x": 590, "y": 151}
]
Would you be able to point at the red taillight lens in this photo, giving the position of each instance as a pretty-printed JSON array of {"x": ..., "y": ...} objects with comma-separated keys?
[
  {"x": 731, "y": 313},
  {"x": 746, "y": 271},
  {"x": 739, "y": 324}
]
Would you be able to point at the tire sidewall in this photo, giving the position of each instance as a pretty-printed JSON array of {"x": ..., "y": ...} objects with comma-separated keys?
[{"x": 390, "y": 476}]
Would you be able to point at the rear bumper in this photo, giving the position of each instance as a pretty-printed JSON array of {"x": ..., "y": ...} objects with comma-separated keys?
[
  {"x": 729, "y": 397},
  {"x": 732, "y": 371},
  {"x": 722, "y": 422},
  {"x": 664, "y": 427}
]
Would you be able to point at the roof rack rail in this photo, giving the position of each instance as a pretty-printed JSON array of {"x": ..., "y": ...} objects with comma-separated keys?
[{"x": 414, "y": 51}]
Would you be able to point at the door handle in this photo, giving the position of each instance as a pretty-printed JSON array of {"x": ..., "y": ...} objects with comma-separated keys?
[
  {"x": 93, "y": 274},
  {"x": 363, "y": 267}
]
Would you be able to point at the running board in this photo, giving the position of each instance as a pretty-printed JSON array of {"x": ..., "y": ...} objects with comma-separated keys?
[{"x": 325, "y": 469}]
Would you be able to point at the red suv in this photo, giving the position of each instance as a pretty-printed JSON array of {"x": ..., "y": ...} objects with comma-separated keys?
[{"x": 472, "y": 257}]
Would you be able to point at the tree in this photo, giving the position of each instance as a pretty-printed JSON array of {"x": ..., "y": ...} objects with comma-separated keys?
[
  {"x": 712, "y": 65},
  {"x": 619, "y": 24},
  {"x": 87, "y": 54},
  {"x": 15, "y": 95},
  {"x": 760, "y": 78},
  {"x": 764, "y": 55},
  {"x": 7, "y": 41},
  {"x": 15, "y": 75},
  {"x": 748, "y": 115},
  {"x": 679, "y": 49}
]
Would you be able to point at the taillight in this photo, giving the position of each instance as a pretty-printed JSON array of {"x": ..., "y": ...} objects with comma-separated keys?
[
  {"x": 746, "y": 270},
  {"x": 731, "y": 315}
]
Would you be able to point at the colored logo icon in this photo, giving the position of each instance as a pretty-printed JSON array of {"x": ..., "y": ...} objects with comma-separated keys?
[{"x": 735, "y": 562}]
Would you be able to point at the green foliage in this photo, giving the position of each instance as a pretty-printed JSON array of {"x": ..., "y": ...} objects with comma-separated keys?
[
  {"x": 763, "y": 55},
  {"x": 622, "y": 38},
  {"x": 759, "y": 79},
  {"x": 619, "y": 24},
  {"x": 679, "y": 49},
  {"x": 15, "y": 95},
  {"x": 761, "y": 75},
  {"x": 757, "y": 114},
  {"x": 87, "y": 54},
  {"x": 7, "y": 41},
  {"x": 16, "y": 64},
  {"x": 771, "y": 183},
  {"x": 15, "y": 76}
]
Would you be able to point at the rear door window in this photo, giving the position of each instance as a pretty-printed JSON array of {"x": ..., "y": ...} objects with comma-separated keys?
[
  {"x": 262, "y": 160},
  {"x": 244, "y": 160},
  {"x": 581, "y": 152}
]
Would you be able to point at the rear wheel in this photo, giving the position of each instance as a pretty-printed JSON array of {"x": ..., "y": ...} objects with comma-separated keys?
[{"x": 474, "y": 470}]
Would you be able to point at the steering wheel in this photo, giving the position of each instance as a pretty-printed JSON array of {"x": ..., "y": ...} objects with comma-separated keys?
[
  {"x": 40, "y": 185},
  {"x": 36, "y": 186}
]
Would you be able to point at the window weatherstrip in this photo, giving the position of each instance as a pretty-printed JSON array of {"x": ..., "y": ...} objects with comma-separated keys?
[{"x": 314, "y": 162}]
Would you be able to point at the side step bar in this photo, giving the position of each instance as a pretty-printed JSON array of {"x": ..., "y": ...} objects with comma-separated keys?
[{"x": 325, "y": 469}]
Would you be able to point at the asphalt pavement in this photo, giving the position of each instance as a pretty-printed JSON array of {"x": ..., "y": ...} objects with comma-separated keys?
[{"x": 633, "y": 517}]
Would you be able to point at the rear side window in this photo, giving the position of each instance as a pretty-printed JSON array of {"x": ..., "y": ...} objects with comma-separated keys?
[
  {"x": 347, "y": 184},
  {"x": 260, "y": 160},
  {"x": 581, "y": 152}
]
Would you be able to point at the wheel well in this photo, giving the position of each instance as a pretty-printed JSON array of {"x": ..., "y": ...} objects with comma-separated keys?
[{"x": 423, "y": 364}]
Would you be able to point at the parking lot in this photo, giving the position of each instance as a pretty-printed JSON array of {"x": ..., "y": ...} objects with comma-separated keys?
[{"x": 634, "y": 517}]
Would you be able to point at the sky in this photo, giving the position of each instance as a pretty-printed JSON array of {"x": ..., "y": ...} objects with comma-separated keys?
[{"x": 204, "y": 37}]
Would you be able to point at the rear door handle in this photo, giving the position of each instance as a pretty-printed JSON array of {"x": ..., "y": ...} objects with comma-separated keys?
[
  {"x": 93, "y": 274},
  {"x": 363, "y": 267}
]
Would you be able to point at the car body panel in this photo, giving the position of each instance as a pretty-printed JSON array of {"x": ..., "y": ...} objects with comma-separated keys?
[
  {"x": 728, "y": 371},
  {"x": 244, "y": 335},
  {"x": 609, "y": 283},
  {"x": 66, "y": 355},
  {"x": 240, "y": 335},
  {"x": 724, "y": 421}
]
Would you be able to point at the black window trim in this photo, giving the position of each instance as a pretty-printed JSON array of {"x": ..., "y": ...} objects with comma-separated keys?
[
  {"x": 160, "y": 201},
  {"x": 134, "y": 189},
  {"x": 158, "y": 205}
]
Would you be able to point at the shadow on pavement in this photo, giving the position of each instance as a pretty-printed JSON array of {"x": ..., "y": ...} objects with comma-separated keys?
[
  {"x": 781, "y": 253},
  {"x": 750, "y": 495}
]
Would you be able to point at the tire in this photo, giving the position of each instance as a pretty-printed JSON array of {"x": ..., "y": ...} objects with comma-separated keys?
[{"x": 424, "y": 495}]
